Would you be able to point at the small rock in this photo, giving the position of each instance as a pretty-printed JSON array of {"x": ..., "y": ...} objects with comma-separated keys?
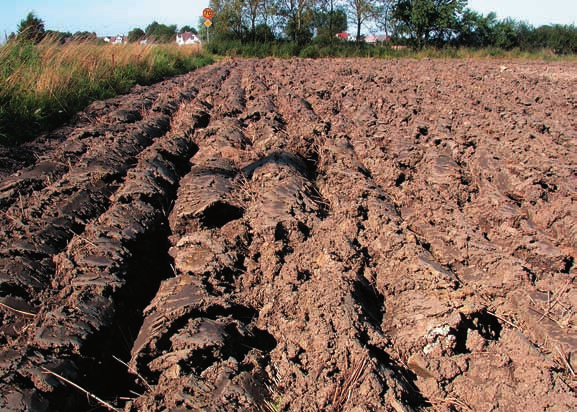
[{"x": 475, "y": 342}]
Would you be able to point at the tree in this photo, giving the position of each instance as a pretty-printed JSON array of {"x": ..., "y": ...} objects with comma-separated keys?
[
  {"x": 252, "y": 8},
  {"x": 228, "y": 21},
  {"x": 298, "y": 18},
  {"x": 562, "y": 39},
  {"x": 330, "y": 22},
  {"x": 505, "y": 34},
  {"x": 426, "y": 20},
  {"x": 263, "y": 33},
  {"x": 31, "y": 29},
  {"x": 361, "y": 11},
  {"x": 525, "y": 35},
  {"x": 300, "y": 28},
  {"x": 135, "y": 35},
  {"x": 202, "y": 29},
  {"x": 189, "y": 29},
  {"x": 57, "y": 36},
  {"x": 161, "y": 32},
  {"x": 270, "y": 17},
  {"x": 448, "y": 14},
  {"x": 476, "y": 30},
  {"x": 383, "y": 16}
]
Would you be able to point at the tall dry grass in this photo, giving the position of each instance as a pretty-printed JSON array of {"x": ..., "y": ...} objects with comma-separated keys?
[{"x": 43, "y": 85}]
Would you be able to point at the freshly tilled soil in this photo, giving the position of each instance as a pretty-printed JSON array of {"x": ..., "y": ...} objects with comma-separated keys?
[{"x": 327, "y": 235}]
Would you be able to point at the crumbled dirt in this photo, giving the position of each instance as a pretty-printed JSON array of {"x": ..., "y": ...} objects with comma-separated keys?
[{"x": 329, "y": 235}]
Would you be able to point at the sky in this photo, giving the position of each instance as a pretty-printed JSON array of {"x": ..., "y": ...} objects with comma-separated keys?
[
  {"x": 105, "y": 17},
  {"x": 535, "y": 12},
  {"x": 112, "y": 17}
]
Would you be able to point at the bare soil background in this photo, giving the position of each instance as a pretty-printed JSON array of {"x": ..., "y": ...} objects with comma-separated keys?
[{"x": 303, "y": 235}]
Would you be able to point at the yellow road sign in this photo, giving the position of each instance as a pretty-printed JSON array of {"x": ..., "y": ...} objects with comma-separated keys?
[{"x": 208, "y": 23}]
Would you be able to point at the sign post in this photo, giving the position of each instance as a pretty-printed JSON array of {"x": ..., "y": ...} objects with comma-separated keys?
[
  {"x": 207, "y": 23},
  {"x": 208, "y": 14}
]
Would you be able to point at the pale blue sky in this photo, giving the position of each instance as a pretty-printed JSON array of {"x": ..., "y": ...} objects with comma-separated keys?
[
  {"x": 110, "y": 17},
  {"x": 105, "y": 17},
  {"x": 535, "y": 12}
]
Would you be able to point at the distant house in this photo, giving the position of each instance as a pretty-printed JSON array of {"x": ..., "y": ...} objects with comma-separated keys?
[
  {"x": 187, "y": 38},
  {"x": 373, "y": 39},
  {"x": 116, "y": 39},
  {"x": 344, "y": 36}
]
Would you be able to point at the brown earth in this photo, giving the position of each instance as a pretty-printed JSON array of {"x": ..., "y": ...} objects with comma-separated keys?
[{"x": 329, "y": 235}]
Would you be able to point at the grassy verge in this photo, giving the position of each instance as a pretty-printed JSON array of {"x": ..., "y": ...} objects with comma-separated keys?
[
  {"x": 42, "y": 86},
  {"x": 348, "y": 49}
]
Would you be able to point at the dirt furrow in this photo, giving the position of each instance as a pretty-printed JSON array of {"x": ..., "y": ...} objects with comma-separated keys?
[{"x": 198, "y": 345}]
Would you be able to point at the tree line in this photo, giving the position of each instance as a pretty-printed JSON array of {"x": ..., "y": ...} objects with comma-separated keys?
[
  {"x": 416, "y": 23},
  {"x": 32, "y": 30},
  {"x": 158, "y": 32}
]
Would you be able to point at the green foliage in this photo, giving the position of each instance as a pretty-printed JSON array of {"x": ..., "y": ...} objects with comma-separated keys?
[
  {"x": 427, "y": 21},
  {"x": 84, "y": 36},
  {"x": 58, "y": 36},
  {"x": 185, "y": 29},
  {"x": 361, "y": 11},
  {"x": 227, "y": 23},
  {"x": 562, "y": 39},
  {"x": 135, "y": 35},
  {"x": 31, "y": 29},
  {"x": 285, "y": 50},
  {"x": 476, "y": 30},
  {"x": 311, "y": 52},
  {"x": 445, "y": 22},
  {"x": 299, "y": 33},
  {"x": 328, "y": 24},
  {"x": 14, "y": 55},
  {"x": 505, "y": 36},
  {"x": 263, "y": 34},
  {"x": 160, "y": 33}
]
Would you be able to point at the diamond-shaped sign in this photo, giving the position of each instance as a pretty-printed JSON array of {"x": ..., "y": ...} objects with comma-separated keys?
[{"x": 208, "y": 23}]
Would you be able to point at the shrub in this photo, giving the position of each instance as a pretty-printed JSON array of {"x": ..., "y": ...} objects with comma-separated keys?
[{"x": 310, "y": 52}]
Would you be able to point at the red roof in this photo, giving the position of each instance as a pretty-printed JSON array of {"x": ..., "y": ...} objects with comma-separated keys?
[{"x": 186, "y": 36}]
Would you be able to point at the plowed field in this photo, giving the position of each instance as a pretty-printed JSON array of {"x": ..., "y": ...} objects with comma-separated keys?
[{"x": 329, "y": 235}]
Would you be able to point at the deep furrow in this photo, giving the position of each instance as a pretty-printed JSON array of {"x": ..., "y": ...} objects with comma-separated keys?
[
  {"x": 207, "y": 335},
  {"x": 67, "y": 145},
  {"x": 92, "y": 276},
  {"x": 54, "y": 215},
  {"x": 65, "y": 208}
]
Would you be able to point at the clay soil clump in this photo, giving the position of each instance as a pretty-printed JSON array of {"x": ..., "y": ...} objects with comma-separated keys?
[{"x": 303, "y": 235}]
